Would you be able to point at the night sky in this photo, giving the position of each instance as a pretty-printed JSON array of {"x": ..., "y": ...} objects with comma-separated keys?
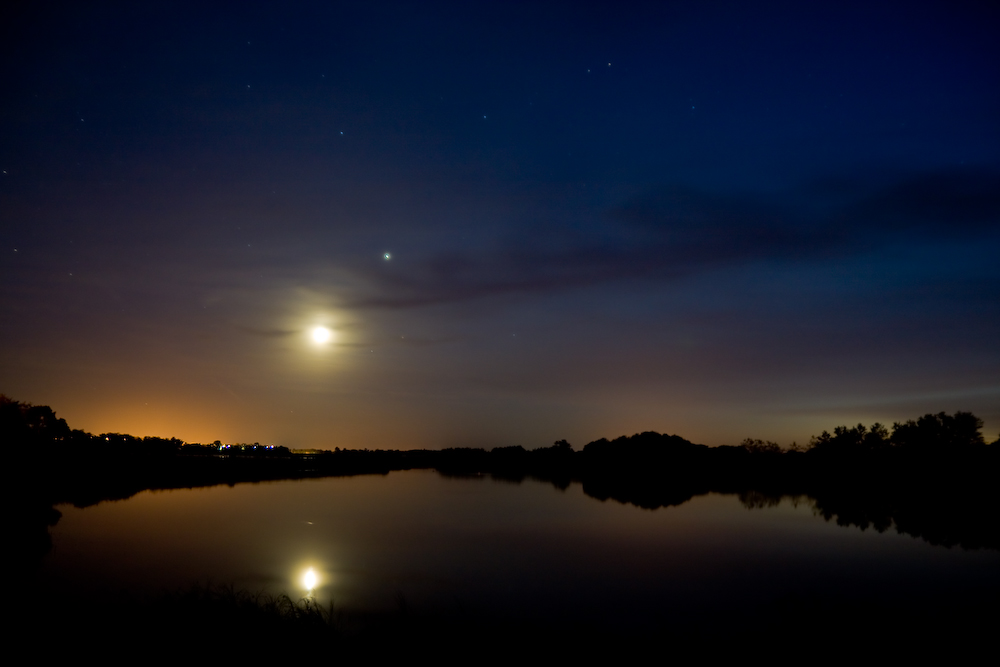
[{"x": 520, "y": 222}]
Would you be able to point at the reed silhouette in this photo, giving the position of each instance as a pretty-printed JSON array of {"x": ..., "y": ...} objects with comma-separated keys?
[{"x": 205, "y": 623}]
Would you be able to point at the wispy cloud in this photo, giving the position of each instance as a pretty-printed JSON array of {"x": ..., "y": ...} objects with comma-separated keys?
[
  {"x": 270, "y": 333},
  {"x": 676, "y": 231}
]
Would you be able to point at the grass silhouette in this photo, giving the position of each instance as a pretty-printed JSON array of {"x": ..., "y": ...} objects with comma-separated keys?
[{"x": 220, "y": 622}]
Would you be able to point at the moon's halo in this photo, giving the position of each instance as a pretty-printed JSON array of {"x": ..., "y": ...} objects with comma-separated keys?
[
  {"x": 321, "y": 335},
  {"x": 310, "y": 579}
]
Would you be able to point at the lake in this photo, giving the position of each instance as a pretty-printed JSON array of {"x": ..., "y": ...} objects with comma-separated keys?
[{"x": 478, "y": 545}]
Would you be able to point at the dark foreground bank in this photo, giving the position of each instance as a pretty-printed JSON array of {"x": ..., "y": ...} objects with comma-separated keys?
[{"x": 219, "y": 623}]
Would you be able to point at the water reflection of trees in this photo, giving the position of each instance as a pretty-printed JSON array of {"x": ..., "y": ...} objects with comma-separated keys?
[
  {"x": 957, "y": 517},
  {"x": 755, "y": 500},
  {"x": 933, "y": 478}
]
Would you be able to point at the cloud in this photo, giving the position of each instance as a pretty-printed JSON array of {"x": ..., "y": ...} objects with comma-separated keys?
[
  {"x": 269, "y": 333},
  {"x": 676, "y": 231},
  {"x": 958, "y": 202}
]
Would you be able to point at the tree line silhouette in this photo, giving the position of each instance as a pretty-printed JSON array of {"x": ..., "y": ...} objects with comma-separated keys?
[{"x": 933, "y": 477}]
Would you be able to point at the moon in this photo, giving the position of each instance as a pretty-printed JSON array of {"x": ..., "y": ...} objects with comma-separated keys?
[{"x": 321, "y": 335}]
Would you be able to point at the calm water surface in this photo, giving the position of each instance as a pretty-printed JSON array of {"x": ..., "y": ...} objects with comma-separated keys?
[{"x": 480, "y": 545}]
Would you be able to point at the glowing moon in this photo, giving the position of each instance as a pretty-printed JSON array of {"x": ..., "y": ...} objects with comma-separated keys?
[
  {"x": 310, "y": 579},
  {"x": 321, "y": 335}
]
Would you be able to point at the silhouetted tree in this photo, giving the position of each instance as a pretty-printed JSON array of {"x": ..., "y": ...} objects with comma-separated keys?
[
  {"x": 939, "y": 433},
  {"x": 854, "y": 441},
  {"x": 26, "y": 424},
  {"x": 761, "y": 446}
]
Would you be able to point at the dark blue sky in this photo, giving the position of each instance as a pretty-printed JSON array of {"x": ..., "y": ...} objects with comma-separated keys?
[{"x": 714, "y": 219}]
